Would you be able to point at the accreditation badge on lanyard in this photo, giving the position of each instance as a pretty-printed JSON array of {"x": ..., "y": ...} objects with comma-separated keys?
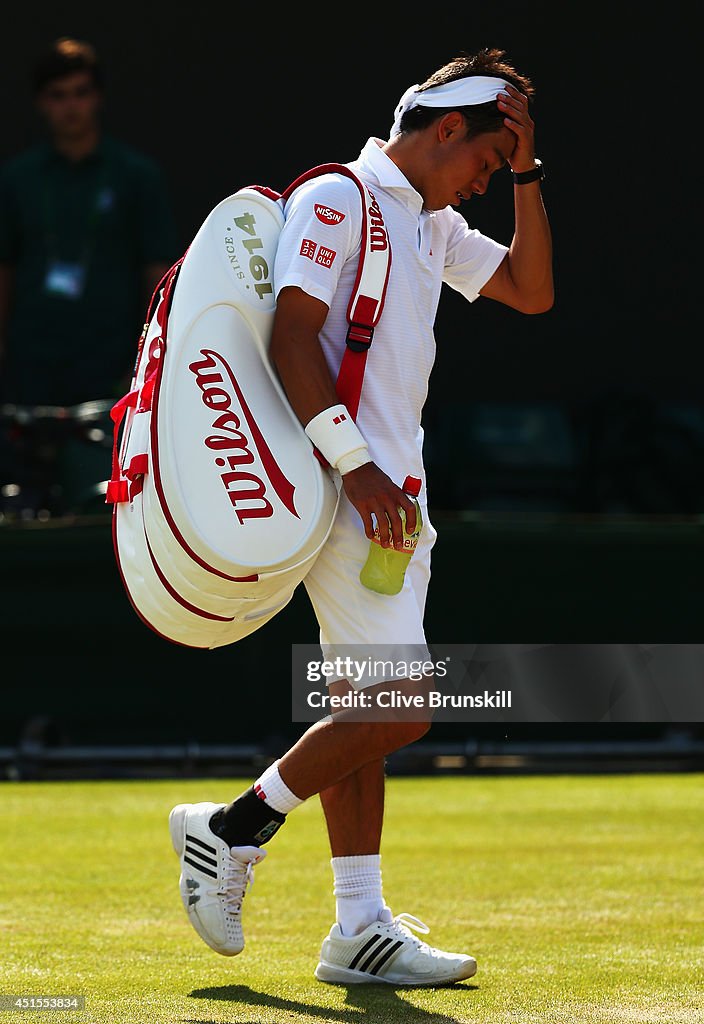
[{"x": 65, "y": 279}]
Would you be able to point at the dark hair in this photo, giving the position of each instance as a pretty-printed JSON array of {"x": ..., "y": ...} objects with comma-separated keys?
[
  {"x": 64, "y": 57},
  {"x": 480, "y": 117}
]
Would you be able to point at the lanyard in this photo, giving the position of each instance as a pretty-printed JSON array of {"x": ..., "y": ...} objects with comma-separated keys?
[{"x": 51, "y": 233}]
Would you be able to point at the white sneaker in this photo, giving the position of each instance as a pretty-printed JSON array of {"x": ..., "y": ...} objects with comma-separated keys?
[
  {"x": 388, "y": 951},
  {"x": 214, "y": 877}
]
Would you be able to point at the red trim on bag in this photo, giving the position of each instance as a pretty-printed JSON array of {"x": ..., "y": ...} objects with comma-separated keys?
[
  {"x": 268, "y": 192},
  {"x": 140, "y": 615},
  {"x": 177, "y": 597}
]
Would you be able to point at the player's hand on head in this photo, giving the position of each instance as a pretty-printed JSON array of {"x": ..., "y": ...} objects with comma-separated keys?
[
  {"x": 377, "y": 499},
  {"x": 514, "y": 106}
]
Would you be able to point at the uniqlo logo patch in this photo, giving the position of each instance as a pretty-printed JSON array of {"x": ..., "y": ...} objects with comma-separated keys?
[
  {"x": 308, "y": 248},
  {"x": 325, "y": 256}
]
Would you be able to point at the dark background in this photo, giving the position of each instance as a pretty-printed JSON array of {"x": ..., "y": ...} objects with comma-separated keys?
[
  {"x": 611, "y": 377},
  {"x": 594, "y": 407},
  {"x": 224, "y": 96}
]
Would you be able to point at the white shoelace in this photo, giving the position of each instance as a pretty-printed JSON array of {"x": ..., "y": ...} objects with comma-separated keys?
[
  {"x": 406, "y": 922},
  {"x": 237, "y": 879}
]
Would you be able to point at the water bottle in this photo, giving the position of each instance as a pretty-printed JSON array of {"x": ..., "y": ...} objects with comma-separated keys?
[{"x": 385, "y": 568}]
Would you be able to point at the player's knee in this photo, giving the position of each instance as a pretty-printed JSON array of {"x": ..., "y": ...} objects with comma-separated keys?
[
  {"x": 406, "y": 731},
  {"x": 416, "y": 730}
]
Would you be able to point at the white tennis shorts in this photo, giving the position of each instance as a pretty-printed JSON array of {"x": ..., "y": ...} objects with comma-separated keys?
[{"x": 356, "y": 620}]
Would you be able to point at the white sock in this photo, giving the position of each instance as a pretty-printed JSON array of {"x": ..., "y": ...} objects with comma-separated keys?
[
  {"x": 357, "y": 891},
  {"x": 272, "y": 789}
]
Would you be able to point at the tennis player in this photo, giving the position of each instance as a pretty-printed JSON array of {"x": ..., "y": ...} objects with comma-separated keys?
[{"x": 471, "y": 119}]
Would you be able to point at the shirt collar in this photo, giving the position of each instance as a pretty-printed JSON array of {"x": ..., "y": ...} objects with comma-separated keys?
[
  {"x": 374, "y": 162},
  {"x": 51, "y": 153}
]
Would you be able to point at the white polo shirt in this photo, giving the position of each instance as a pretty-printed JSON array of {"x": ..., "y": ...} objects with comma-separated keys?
[{"x": 428, "y": 249}]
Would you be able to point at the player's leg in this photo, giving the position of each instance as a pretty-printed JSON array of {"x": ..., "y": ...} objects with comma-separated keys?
[
  {"x": 218, "y": 845},
  {"x": 354, "y": 811},
  {"x": 354, "y": 814},
  {"x": 367, "y": 943},
  {"x": 354, "y": 807}
]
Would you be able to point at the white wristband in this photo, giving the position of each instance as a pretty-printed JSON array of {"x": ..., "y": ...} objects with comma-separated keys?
[
  {"x": 335, "y": 434},
  {"x": 353, "y": 460}
]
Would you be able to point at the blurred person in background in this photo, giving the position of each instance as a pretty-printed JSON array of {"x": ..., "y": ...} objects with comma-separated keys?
[{"x": 86, "y": 234}]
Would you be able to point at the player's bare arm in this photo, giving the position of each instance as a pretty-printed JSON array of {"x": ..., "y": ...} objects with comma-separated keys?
[
  {"x": 297, "y": 355},
  {"x": 295, "y": 351},
  {"x": 524, "y": 279}
]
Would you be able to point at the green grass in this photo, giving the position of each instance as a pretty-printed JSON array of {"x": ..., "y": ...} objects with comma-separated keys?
[{"x": 582, "y": 899}]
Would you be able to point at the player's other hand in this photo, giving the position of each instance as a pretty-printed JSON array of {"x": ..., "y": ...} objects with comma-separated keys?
[
  {"x": 377, "y": 498},
  {"x": 514, "y": 106}
]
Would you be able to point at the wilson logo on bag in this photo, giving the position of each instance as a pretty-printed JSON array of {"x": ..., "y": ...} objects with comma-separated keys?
[{"x": 237, "y": 449}]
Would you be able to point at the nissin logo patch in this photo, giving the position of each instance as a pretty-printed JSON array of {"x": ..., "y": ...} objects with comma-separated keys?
[{"x": 327, "y": 215}]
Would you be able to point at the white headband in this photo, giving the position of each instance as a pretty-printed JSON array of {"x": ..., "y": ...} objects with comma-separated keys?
[{"x": 463, "y": 92}]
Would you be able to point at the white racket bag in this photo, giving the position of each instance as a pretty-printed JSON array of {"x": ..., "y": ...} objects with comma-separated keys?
[{"x": 221, "y": 502}]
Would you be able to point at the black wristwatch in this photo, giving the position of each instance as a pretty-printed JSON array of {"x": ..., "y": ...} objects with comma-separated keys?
[{"x": 525, "y": 177}]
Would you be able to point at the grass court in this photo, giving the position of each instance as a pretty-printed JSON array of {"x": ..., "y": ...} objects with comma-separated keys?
[{"x": 582, "y": 898}]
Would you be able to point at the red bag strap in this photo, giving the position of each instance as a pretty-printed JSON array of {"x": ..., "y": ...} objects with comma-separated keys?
[
  {"x": 369, "y": 291},
  {"x": 118, "y": 488}
]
